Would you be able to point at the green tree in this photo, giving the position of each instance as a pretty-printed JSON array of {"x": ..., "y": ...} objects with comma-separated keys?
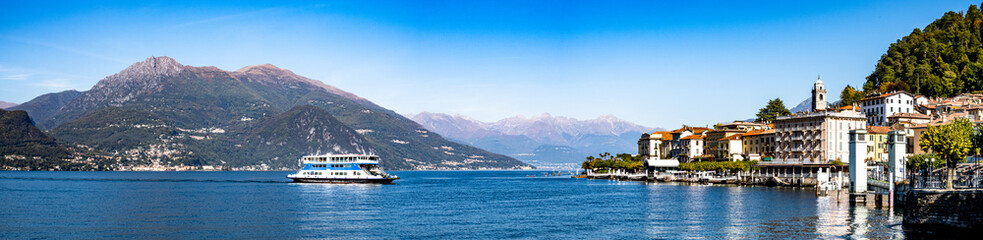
[
  {"x": 923, "y": 161},
  {"x": 774, "y": 109},
  {"x": 951, "y": 142},
  {"x": 941, "y": 60},
  {"x": 850, "y": 95},
  {"x": 608, "y": 161}
]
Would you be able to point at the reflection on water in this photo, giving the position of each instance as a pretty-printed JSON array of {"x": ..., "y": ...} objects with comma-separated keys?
[
  {"x": 422, "y": 205},
  {"x": 699, "y": 211},
  {"x": 345, "y": 209},
  {"x": 735, "y": 213}
]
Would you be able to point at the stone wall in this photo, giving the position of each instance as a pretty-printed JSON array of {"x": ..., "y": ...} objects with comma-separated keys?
[{"x": 944, "y": 211}]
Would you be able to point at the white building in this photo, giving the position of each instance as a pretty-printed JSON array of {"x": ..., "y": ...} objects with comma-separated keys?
[
  {"x": 879, "y": 107},
  {"x": 692, "y": 147},
  {"x": 733, "y": 148},
  {"x": 817, "y": 137},
  {"x": 649, "y": 146},
  {"x": 679, "y": 146}
]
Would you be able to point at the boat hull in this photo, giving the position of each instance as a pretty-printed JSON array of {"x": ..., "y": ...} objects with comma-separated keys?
[{"x": 343, "y": 180}]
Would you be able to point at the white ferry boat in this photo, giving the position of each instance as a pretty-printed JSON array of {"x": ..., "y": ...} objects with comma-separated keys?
[{"x": 342, "y": 168}]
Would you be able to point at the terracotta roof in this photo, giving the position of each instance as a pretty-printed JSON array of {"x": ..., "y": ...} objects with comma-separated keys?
[
  {"x": 661, "y": 135},
  {"x": 667, "y": 137},
  {"x": 941, "y": 121},
  {"x": 759, "y": 132},
  {"x": 910, "y": 115},
  {"x": 692, "y": 137},
  {"x": 693, "y": 129},
  {"x": 855, "y": 108},
  {"x": 878, "y": 129},
  {"x": 741, "y": 123}
]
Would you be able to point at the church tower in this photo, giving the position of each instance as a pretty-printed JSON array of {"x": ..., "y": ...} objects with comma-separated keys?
[{"x": 818, "y": 96}]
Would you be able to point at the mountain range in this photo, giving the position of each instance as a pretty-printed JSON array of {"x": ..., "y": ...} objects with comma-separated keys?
[
  {"x": 160, "y": 112},
  {"x": 5, "y": 105},
  {"x": 539, "y": 139},
  {"x": 806, "y": 105},
  {"x": 25, "y": 147}
]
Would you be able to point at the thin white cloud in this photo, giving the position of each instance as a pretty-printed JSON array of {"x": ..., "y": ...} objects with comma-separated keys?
[
  {"x": 19, "y": 73},
  {"x": 55, "y": 84},
  {"x": 62, "y": 48},
  {"x": 14, "y": 77}
]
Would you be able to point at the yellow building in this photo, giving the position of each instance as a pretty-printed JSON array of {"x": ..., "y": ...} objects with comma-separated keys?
[
  {"x": 877, "y": 143},
  {"x": 719, "y": 141}
]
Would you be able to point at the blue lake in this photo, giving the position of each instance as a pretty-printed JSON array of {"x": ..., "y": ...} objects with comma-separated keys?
[{"x": 421, "y": 205}]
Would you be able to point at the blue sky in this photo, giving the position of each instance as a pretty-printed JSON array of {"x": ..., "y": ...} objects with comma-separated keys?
[{"x": 659, "y": 64}]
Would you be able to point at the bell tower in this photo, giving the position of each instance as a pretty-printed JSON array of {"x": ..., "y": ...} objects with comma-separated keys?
[{"x": 818, "y": 96}]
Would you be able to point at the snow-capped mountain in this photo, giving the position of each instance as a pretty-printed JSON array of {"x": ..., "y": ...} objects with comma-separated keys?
[{"x": 543, "y": 138}]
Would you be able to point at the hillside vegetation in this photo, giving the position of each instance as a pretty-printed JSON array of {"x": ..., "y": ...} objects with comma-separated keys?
[{"x": 942, "y": 60}]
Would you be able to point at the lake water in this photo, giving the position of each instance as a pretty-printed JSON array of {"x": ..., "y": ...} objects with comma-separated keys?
[{"x": 422, "y": 205}]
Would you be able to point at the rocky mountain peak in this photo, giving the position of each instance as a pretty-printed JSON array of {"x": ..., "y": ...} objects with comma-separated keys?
[
  {"x": 6, "y": 104},
  {"x": 143, "y": 73},
  {"x": 265, "y": 69},
  {"x": 270, "y": 74},
  {"x": 154, "y": 66}
]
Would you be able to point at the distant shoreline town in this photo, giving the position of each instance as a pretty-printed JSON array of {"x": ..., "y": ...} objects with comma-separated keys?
[{"x": 815, "y": 139}]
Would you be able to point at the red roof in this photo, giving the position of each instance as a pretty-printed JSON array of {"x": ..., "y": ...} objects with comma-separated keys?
[
  {"x": 854, "y": 108},
  {"x": 910, "y": 115},
  {"x": 878, "y": 129},
  {"x": 759, "y": 132},
  {"x": 692, "y": 137},
  {"x": 663, "y": 135},
  {"x": 692, "y": 129}
]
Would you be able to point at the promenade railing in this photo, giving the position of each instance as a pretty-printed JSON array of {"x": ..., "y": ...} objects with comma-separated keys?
[{"x": 937, "y": 181}]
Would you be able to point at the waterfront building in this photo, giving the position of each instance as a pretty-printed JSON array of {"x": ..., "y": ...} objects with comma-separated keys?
[
  {"x": 691, "y": 147},
  {"x": 652, "y": 146},
  {"x": 676, "y": 147},
  {"x": 817, "y": 137},
  {"x": 877, "y": 143},
  {"x": 719, "y": 148},
  {"x": 878, "y": 107},
  {"x": 732, "y": 147},
  {"x": 759, "y": 145}
]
